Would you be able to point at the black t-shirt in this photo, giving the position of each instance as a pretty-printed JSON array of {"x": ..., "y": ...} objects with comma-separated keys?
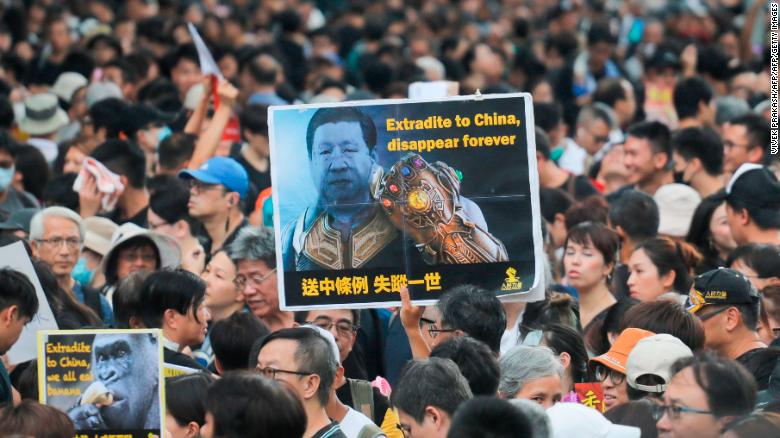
[
  {"x": 761, "y": 363},
  {"x": 206, "y": 240},
  {"x": 139, "y": 219},
  {"x": 258, "y": 181}
]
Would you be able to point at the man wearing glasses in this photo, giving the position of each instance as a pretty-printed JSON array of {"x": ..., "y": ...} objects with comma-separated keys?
[
  {"x": 359, "y": 394},
  {"x": 706, "y": 392},
  {"x": 302, "y": 359},
  {"x": 728, "y": 307},
  {"x": 218, "y": 189},
  {"x": 56, "y": 237},
  {"x": 254, "y": 254}
]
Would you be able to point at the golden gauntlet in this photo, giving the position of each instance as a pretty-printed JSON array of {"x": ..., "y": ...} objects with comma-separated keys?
[{"x": 423, "y": 200}]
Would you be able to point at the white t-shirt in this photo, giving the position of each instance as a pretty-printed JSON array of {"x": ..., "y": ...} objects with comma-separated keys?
[
  {"x": 573, "y": 158},
  {"x": 353, "y": 422}
]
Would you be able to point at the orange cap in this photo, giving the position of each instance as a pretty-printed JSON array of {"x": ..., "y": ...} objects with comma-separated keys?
[{"x": 617, "y": 356}]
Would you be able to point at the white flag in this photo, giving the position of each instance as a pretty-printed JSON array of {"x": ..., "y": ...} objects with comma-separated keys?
[{"x": 207, "y": 64}]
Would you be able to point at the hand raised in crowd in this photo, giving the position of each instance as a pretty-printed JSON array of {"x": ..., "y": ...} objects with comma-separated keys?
[
  {"x": 410, "y": 318},
  {"x": 89, "y": 197},
  {"x": 688, "y": 59},
  {"x": 227, "y": 93},
  {"x": 206, "y": 88},
  {"x": 410, "y": 314}
]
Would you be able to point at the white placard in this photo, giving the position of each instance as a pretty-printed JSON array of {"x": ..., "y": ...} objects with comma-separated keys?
[{"x": 15, "y": 257}]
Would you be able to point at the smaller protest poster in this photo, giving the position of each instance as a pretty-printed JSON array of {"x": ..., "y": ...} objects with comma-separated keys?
[
  {"x": 591, "y": 395},
  {"x": 14, "y": 256},
  {"x": 171, "y": 370},
  {"x": 109, "y": 382}
]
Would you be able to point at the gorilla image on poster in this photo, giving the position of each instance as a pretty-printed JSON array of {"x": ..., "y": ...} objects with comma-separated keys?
[{"x": 107, "y": 380}]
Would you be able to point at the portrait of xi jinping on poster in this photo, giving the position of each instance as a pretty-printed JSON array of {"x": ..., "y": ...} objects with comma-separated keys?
[
  {"x": 107, "y": 381},
  {"x": 383, "y": 185}
]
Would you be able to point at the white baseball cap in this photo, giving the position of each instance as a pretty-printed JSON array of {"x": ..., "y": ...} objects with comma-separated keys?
[
  {"x": 577, "y": 420},
  {"x": 676, "y": 205},
  {"x": 654, "y": 356},
  {"x": 67, "y": 83}
]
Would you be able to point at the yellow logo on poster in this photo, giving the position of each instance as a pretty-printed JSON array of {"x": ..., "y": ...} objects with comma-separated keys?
[{"x": 511, "y": 282}]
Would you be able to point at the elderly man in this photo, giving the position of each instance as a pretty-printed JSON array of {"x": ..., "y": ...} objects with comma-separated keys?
[
  {"x": 57, "y": 236},
  {"x": 254, "y": 254},
  {"x": 124, "y": 364}
]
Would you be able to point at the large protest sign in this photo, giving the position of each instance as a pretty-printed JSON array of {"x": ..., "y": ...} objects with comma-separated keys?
[
  {"x": 109, "y": 382},
  {"x": 371, "y": 196},
  {"x": 15, "y": 257}
]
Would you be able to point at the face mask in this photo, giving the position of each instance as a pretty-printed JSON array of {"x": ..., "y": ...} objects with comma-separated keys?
[
  {"x": 6, "y": 176},
  {"x": 81, "y": 273},
  {"x": 163, "y": 133}
]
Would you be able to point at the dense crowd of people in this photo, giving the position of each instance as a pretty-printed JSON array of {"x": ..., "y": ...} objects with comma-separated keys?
[{"x": 141, "y": 189}]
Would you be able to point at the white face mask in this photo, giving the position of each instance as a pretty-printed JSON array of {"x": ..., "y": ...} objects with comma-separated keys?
[{"x": 6, "y": 176}]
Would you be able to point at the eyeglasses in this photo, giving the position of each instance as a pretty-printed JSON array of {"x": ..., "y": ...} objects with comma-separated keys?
[
  {"x": 272, "y": 372},
  {"x": 254, "y": 279},
  {"x": 406, "y": 430},
  {"x": 56, "y": 242},
  {"x": 132, "y": 256},
  {"x": 199, "y": 187},
  {"x": 601, "y": 373},
  {"x": 707, "y": 316},
  {"x": 674, "y": 411},
  {"x": 6, "y": 164},
  {"x": 344, "y": 328}
]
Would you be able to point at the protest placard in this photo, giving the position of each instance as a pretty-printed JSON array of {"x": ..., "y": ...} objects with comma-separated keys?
[
  {"x": 15, "y": 257},
  {"x": 108, "y": 381},
  {"x": 372, "y": 196}
]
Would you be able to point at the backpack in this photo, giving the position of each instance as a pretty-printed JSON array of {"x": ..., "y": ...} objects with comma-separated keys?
[
  {"x": 362, "y": 397},
  {"x": 371, "y": 431}
]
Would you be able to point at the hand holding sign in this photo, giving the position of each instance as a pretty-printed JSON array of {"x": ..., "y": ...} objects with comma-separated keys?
[{"x": 227, "y": 93}]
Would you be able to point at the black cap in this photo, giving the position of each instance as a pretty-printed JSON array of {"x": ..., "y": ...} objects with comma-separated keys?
[
  {"x": 755, "y": 187},
  {"x": 718, "y": 287}
]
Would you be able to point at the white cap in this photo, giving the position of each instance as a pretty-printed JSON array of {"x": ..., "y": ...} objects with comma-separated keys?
[
  {"x": 102, "y": 90},
  {"x": 575, "y": 420},
  {"x": 676, "y": 205},
  {"x": 654, "y": 355},
  {"x": 167, "y": 247},
  {"x": 67, "y": 83},
  {"x": 334, "y": 347}
]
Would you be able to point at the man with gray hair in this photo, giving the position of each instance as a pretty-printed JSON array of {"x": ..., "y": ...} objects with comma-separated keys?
[
  {"x": 56, "y": 237},
  {"x": 427, "y": 396},
  {"x": 254, "y": 253},
  {"x": 531, "y": 373}
]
